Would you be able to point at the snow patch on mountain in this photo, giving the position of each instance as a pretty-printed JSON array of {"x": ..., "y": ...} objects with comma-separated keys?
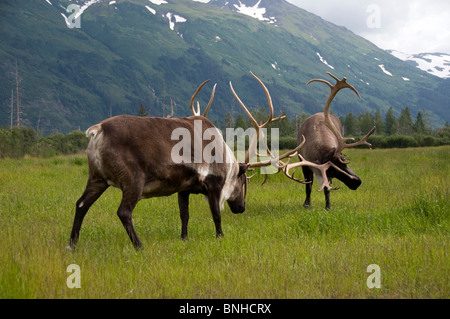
[
  {"x": 437, "y": 64},
  {"x": 324, "y": 61},
  {"x": 173, "y": 19},
  {"x": 158, "y": 2},
  {"x": 77, "y": 13},
  {"x": 275, "y": 66},
  {"x": 384, "y": 69},
  {"x": 254, "y": 12},
  {"x": 151, "y": 9}
]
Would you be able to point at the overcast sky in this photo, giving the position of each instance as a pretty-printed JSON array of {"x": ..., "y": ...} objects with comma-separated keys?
[{"x": 409, "y": 26}]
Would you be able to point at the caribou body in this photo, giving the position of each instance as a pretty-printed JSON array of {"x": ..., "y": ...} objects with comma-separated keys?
[
  {"x": 141, "y": 156},
  {"x": 323, "y": 144},
  {"x": 136, "y": 155}
]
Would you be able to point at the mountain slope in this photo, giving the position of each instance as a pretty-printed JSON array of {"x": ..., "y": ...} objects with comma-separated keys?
[{"x": 128, "y": 53}]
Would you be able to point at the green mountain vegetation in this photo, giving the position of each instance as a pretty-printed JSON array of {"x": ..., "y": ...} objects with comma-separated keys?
[{"x": 128, "y": 53}]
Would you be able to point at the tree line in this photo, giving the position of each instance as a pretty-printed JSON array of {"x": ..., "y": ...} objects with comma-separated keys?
[
  {"x": 19, "y": 141},
  {"x": 403, "y": 131},
  {"x": 392, "y": 131}
]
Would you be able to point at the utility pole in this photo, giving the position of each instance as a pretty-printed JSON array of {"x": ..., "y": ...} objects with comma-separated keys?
[
  {"x": 17, "y": 97},
  {"x": 38, "y": 122},
  {"x": 163, "y": 102},
  {"x": 12, "y": 108},
  {"x": 171, "y": 107}
]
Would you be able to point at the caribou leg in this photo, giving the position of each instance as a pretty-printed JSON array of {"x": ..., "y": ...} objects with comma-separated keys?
[
  {"x": 309, "y": 177},
  {"x": 130, "y": 198},
  {"x": 326, "y": 191},
  {"x": 213, "y": 188},
  {"x": 94, "y": 189},
  {"x": 215, "y": 210},
  {"x": 183, "y": 203}
]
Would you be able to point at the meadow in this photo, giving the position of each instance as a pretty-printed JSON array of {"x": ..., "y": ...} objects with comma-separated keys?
[{"x": 398, "y": 219}]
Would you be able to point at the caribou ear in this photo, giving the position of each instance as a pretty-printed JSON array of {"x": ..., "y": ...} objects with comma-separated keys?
[{"x": 243, "y": 168}]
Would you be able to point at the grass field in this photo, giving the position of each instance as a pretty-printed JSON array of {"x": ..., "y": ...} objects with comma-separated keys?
[{"x": 398, "y": 219}]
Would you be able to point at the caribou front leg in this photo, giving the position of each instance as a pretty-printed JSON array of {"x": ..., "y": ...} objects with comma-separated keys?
[
  {"x": 213, "y": 199},
  {"x": 326, "y": 191},
  {"x": 309, "y": 176}
]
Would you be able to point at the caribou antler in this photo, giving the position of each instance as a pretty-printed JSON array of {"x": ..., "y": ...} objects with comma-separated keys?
[
  {"x": 342, "y": 142},
  {"x": 197, "y": 112},
  {"x": 321, "y": 167},
  {"x": 274, "y": 161},
  {"x": 277, "y": 161},
  {"x": 255, "y": 124}
]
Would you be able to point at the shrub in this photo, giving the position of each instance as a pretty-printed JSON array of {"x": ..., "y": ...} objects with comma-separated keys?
[{"x": 19, "y": 141}]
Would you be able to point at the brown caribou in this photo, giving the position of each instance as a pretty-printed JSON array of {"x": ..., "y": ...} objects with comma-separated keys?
[
  {"x": 277, "y": 161},
  {"x": 323, "y": 142},
  {"x": 144, "y": 157}
]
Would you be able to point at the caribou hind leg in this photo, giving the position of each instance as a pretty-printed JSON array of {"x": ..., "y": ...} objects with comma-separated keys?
[
  {"x": 94, "y": 189},
  {"x": 130, "y": 198},
  {"x": 183, "y": 203}
]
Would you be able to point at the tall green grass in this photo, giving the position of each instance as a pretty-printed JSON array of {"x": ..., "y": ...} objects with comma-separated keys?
[{"x": 398, "y": 219}]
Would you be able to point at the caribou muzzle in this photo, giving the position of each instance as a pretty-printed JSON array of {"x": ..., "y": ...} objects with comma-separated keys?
[{"x": 350, "y": 179}]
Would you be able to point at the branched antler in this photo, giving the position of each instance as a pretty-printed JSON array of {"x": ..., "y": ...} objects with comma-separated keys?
[
  {"x": 321, "y": 167},
  {"x": 197, "y": 112},
  {"x": 286, "y": 166},
  {"x": 250, "y": 153},
  {"x": 274, "y": 160},
  {"x": 342, "y": 142}
]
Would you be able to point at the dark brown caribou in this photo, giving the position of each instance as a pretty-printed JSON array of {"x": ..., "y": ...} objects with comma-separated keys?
[
  {"x": 323, "y": 144},
  {"x": 153, "y": 156}
]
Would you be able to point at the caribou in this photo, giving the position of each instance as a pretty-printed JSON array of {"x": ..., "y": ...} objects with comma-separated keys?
[
  {"x": 321, "y": 136},
  {"x": 142, "y": 157}
]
